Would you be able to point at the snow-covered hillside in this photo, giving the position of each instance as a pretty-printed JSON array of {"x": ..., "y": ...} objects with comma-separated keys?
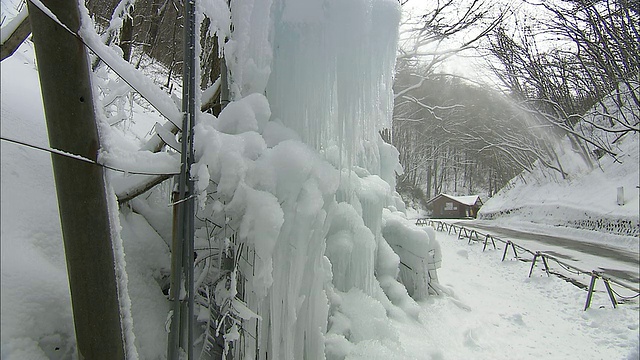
[{"x": 586, "y": 199}]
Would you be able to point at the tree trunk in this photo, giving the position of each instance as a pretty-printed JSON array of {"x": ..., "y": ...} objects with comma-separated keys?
[
  {"x": 66, "y": 93},
  {"x": 126, "y": 36},
  {"x": 491, "y": 172}
]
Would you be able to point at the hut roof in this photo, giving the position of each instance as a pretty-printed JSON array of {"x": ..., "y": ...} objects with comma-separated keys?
[{"x": 469, "y": 200}]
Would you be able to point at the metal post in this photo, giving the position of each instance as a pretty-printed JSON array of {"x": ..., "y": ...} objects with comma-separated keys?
[
  {"x": 546, "y": 265},
  {"x": 486, "y": 241},
  {"x": 176, "y": 279},
  {"x": 594, "y": 276},
  {"x": 471, "y": 234},
  {"x": 506, "y": 248},
  {"x": 181, "y": 334},
  {"x": 191, "y": 183},
  {"x": 533, "y": 262},
  {"x": 610, "y": 291}
]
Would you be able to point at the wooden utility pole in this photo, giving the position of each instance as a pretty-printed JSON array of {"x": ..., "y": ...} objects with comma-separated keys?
[{"x": 66, "y": 92}]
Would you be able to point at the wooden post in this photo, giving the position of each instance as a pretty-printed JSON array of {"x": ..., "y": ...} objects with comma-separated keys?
[{"x": 80, "y": 187}]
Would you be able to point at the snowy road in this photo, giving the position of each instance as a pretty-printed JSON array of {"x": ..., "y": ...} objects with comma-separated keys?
[{"x": 618, "y": 262}]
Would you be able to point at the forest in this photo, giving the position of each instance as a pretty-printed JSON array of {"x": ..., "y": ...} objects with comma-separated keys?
[{"x": 548, "y": 64}]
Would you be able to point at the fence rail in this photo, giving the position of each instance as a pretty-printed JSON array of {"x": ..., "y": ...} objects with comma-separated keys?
[{"x": 475, "y": 236}]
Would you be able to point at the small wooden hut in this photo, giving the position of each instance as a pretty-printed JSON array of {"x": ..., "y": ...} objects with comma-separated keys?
[{"x": 446, "y": 206}]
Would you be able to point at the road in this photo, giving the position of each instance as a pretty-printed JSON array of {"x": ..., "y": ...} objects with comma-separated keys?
[{"x": 616, "y": 263}]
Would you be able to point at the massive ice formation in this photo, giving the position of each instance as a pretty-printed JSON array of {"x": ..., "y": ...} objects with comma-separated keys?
[{"x": 297, "y": 187}]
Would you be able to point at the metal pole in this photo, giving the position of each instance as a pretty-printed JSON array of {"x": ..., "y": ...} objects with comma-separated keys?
[
  {"x": 610, "y": 292},
  {"x": 190, "y": 204},
  {"x": 181, "y": 335},
  {"x": 594, "y": 276},
  {"x": 546, "y": 264},
  {"x": 506, "y": 248},
  {"x": 176, "y": 280},
  {"x": 533, "y": 262}
]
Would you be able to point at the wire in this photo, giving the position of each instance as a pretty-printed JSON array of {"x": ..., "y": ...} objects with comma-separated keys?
[
  {"x": 624, "y": 297},
  {"x": 82, "y": 158},
  {"x": 568, "y": 268}
]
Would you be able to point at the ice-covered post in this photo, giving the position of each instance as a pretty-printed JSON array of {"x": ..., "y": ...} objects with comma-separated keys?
[{"x": 66, "y": 93}]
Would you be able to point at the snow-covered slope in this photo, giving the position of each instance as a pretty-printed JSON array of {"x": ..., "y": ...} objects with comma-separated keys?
[{"x": 586, "y": 199}]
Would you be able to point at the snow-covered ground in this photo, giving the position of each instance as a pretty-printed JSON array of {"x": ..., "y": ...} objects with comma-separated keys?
[
  {"x": 614, "y": 255},
  {"x": 494, "y": 311}
]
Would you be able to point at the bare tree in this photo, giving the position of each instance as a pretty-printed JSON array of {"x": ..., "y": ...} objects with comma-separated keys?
[
  {"x": 448, "y": 28},
  {"x": 457, "y": 137},
  {"x": 577, "y": 65}
]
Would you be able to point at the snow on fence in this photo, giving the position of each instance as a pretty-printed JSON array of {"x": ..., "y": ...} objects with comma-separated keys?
[{"x": 475, "y": 236}]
